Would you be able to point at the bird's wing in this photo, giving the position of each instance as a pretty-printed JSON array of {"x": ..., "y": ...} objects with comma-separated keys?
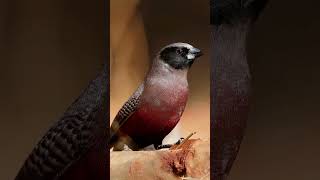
[
  {"x": 125, "y": 112},
  {"x": 70, "y": 137}
]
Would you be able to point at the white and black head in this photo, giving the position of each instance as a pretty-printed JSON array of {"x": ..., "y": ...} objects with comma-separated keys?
[{"x": 179, "y": 55}]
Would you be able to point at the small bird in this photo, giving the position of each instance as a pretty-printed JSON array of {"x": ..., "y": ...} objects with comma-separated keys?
[
  {"x": 75, "y": 146},
  {"x": 156, "y": 106}
]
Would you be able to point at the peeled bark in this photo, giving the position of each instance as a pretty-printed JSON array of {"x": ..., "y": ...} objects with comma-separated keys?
[{"x": 188, "y": 161}]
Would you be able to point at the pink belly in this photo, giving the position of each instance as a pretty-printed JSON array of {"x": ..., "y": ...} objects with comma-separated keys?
[
  {"x": 147, "y": 124},
  {"x": 154, "y": 120}
]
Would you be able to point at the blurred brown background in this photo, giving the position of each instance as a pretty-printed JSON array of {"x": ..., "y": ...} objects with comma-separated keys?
[
  {"x": 283, "y": 137},
  {"x": 49, "y": 50}
]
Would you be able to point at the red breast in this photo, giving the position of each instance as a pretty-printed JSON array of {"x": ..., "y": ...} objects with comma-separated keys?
[{"x": 159, "y": 111}]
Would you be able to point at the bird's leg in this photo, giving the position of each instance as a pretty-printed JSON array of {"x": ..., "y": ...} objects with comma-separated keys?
[
  {"x": 180, "y": 142},
  {"x": 184, "y": 140},
  {"x": 164, "y": 146}
]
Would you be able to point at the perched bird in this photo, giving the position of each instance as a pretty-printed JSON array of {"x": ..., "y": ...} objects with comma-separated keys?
[
  {"x": 75, "y": 147},
  {"x": 156, "y": 106},
  {"x": 230, "y": 79}
]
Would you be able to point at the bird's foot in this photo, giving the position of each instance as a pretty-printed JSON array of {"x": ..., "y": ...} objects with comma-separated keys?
[
  {"x": 163, "y": 146},
  {"x": 179, "y": 141},
  {"x": 176, "y": 145},
  {"x": 166, "y": 146}
]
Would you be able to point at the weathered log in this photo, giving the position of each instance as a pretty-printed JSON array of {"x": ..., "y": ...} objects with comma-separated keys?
[{"x": 188, "y": 161}]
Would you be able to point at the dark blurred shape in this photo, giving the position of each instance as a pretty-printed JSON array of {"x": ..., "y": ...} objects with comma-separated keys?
[
  {"x": 282, "y": 136},
  {"x": 229, "y": 11},
  {"x": 75, "y": 147},
  {"x": 230, "y": 81}
]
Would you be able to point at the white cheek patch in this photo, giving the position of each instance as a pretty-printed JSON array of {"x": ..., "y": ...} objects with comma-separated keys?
[{"x": 191, "y": 56}]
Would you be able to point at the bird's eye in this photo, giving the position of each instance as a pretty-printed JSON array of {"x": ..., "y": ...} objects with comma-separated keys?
[{"x": 179, "y": 51}]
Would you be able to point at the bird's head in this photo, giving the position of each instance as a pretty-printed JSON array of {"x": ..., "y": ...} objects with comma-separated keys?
[{"x": 179, "y": 55}]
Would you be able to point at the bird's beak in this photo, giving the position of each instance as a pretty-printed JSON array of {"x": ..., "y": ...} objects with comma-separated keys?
[{"x": 196, "y": 52}]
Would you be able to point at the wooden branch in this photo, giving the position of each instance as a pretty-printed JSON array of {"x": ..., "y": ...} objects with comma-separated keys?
[{"x": 188, "y": 161}]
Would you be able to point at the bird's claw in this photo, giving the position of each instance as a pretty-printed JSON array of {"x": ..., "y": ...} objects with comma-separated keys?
[
  {"x": 163, "y": 146},
  {"x": 166, "y": 146},
  {"x": 179, "y": 141}
]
